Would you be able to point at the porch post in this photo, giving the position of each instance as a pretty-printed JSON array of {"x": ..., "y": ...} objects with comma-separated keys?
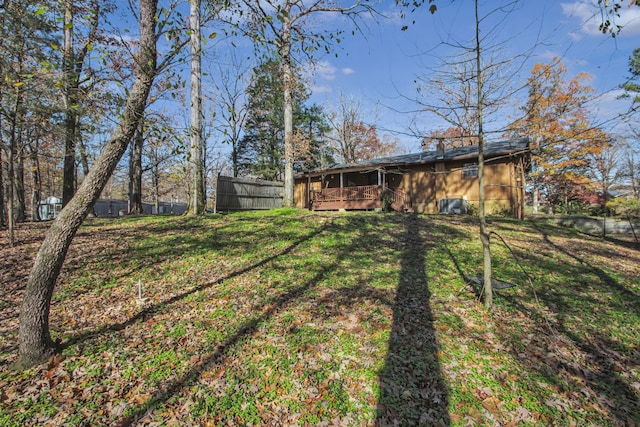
[
  {"x": 308, "y": 206},
  {"x": 341, "y": 186}
]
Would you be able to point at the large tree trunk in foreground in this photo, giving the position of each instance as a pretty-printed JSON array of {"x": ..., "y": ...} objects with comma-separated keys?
[
  {"x": 288, "y": 109},
  {"x": 35, "y": 343},
  {"x": 197, "y": 200}
]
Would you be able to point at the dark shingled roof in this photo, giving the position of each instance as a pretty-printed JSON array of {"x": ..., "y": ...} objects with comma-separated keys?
[{"x": 491, "y": 149}]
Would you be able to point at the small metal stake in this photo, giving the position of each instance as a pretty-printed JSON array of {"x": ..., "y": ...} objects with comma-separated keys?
[{"x": 141, "y": 301}]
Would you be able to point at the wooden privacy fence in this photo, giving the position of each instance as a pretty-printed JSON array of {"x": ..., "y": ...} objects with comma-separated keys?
[{"x": 241, "y": 194}]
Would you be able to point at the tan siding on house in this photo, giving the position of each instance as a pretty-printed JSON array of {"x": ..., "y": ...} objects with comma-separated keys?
[
  {"x": 419, "y": 183},
  {"x": 301, "y": 194},
  {"x": 426, "y": 184}
]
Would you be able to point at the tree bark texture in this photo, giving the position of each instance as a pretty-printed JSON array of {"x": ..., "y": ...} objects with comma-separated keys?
[
  {"x": 2, "y": 221},
  {"x": 82, "y": 150},
  {"x": 70, "y": 101},
  {"x": 135, "y": 171},
  {"x": 11, "y": 164},
  {"x": 35, "y": 343},
  {"x": 35, "y": 179},
  {"x": 196, "y": 144},
  {"x": 19, "y": 181},
  {"x": 10, "y": 186},
  {"x": 484, "y": 233},
  {"x": 287, "y": 73}
]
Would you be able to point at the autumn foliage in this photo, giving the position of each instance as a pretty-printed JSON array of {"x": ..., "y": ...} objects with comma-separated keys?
[
  {"x": 295, "y": 318},
  {"x": 563, "y": 140},
  {"x": 451, "y": 137}
]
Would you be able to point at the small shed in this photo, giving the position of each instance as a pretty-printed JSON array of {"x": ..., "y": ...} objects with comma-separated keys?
[{"x": 49, "y": 208}]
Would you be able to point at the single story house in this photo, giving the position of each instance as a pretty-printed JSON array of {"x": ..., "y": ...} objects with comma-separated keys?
[{"x": 440, "y": 181}]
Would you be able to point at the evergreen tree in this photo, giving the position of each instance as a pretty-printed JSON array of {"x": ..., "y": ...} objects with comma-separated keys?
[
  {"x": 312, "y": 127},
  {"x": 632, "y": 86},
  {"x": 261, "y": 150}
]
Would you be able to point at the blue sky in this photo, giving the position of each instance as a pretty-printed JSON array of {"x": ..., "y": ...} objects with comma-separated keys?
[{"x": 380, "y": 67}]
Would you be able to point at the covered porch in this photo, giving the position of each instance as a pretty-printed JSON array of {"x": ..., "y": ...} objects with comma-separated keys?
[{"x": 359, "y": 190}]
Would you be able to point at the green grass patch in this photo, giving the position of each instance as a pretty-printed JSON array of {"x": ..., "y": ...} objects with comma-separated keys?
[{"x": 289, "y": 317}]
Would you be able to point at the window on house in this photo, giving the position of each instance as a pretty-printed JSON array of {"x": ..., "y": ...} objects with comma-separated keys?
[{"x": 470, "y": 170}]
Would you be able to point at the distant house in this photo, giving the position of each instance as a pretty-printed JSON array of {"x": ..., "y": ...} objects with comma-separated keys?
[
  {"x": 118, "y": 207},
  {"x": 50, "y": 207},
  {"x": 440, "y": 181}
]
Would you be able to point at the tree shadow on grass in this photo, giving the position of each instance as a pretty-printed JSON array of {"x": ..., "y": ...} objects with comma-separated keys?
[
  {"x": 154, "y": 308},
  {"x": 349, "y": 242},
  {"x": 246, "y": 330},
  {"x": 412, "y": 390},
  {"x": 153, "y": 244},
  {"x": 633, "y": 299},
  {"x": 599, "y": 373},
  {"x": 267, "y": 309}
]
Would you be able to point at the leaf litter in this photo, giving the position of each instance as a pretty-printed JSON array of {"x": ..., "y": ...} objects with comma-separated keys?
[{"x": 345, "y": 319}]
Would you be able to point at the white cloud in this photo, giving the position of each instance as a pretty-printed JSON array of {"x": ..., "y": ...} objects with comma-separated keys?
[
  {"x": 320, "y": 89},
  {"x": 324, "y": 74},
  {"x": 324, "y": 70},
  {"x": 590, "y": 17}
]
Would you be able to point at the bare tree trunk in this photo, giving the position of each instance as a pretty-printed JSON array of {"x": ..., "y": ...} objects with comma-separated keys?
[
  {"x": 484, "y": 234},
  {"x": 68, "y": 177},
  {"x": 82, "y": 150},
  {"x": 35, "y": 343},
  {"x": 155, "y": 177},
  {"x": 234, "y": 159},
  {"x": 135, "y": 171},
  {"x": 2, "y": 207},
  {"x": 287, "y": 73},
  {"x": 197, "y": 173},
  {"x": 2, "y": 221},
  {"x": 10, "y": 186},
  {"x": 534, "y": 195},
  {"x": 156, "y": 188},
  {"x": 13, "y": 129},
  {"x": 35, "y": 178},
  {"x": 19, "y": 181}
]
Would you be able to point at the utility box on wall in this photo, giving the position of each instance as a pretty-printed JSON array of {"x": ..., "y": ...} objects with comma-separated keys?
[{"x": 453, "y": 206}]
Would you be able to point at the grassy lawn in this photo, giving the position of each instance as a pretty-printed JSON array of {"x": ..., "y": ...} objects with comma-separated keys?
[{"x": 355, "y": 319}]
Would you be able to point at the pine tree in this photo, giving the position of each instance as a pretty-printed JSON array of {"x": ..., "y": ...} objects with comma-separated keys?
[{"x": 261, "y": 150}]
